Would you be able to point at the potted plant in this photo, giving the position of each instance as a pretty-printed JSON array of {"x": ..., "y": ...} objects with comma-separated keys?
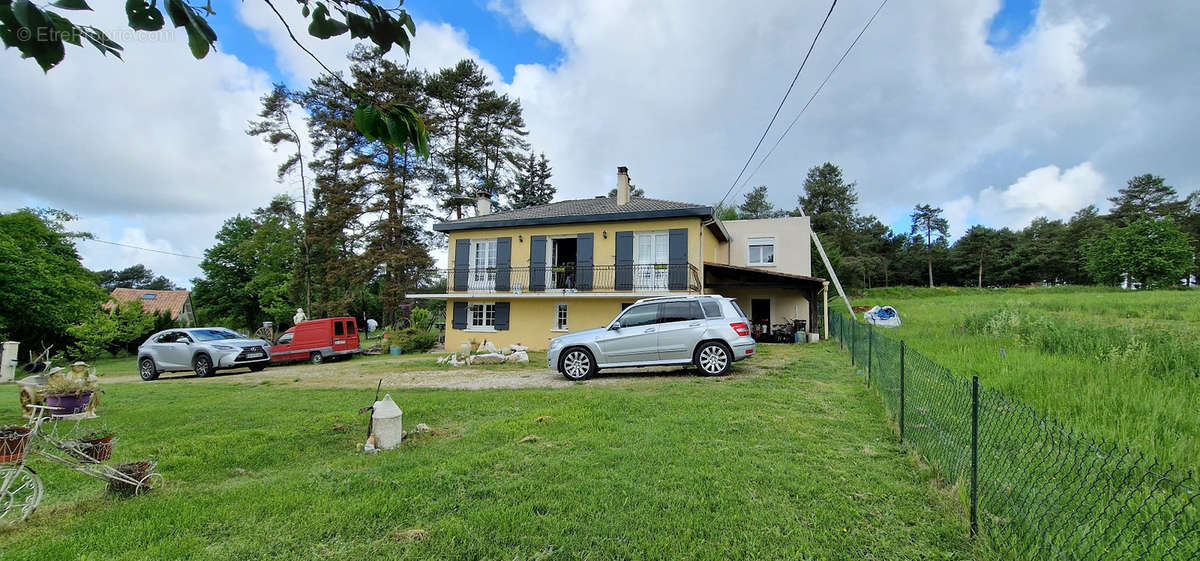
[
  {"x": 96, "y": 444},
  {"x": 70, "y": 390},
  {"x": 136, "y": 471},
  {"x": 12, "y": 443}
]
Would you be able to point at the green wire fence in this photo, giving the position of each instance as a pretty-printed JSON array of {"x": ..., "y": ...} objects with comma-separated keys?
[{"x": 1036, "y": 488}]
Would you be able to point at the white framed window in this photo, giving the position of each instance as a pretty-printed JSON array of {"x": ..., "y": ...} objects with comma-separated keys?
[
  {"x": 483, "y": 264},
  {"x": 650, "y": 259},
  {"x": 560, "y": 317},
  {"x": 761, "y": 251},
  {"x": 481, "y": 316}
]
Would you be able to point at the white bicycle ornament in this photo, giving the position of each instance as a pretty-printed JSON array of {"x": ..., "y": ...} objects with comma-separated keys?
[{"x": 51, "y": 436}]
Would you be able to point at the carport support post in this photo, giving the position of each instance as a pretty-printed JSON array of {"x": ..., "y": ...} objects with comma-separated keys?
[
  {"x": 974, "y": 455},
  {"x": 902, "y": 347}
]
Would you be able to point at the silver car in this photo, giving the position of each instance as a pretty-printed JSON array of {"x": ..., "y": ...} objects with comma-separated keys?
[
  {"x": 203, "y": 350},
  {"x": 709, "y": 332}
]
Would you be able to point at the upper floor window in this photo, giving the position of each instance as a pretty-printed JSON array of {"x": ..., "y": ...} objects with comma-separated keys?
[{"x": 762, "y": 251}]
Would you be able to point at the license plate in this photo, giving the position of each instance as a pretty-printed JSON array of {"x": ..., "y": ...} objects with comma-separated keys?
[{"x": 254, "y": 355}]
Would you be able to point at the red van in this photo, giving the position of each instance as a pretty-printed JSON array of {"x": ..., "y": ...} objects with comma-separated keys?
[{"x": 316, "y": 340}]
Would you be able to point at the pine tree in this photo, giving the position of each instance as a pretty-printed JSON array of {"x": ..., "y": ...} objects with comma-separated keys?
[
  {"x": 756, "y": 204},
  {"x": 927, "y": 221},
  {"x": 1146, "y": 196},
  {"x": 276, "y": 129},
  {"x": 533, "y": 184},
  {"x": 455, "y": 93}
]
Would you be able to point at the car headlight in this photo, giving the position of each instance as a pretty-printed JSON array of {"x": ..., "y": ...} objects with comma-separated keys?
[
  {"x": 224, "y": 348},
  {"x": 555, "y": 343}
]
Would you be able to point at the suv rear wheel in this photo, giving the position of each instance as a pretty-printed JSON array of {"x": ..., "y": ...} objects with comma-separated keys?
[
  {"x": 577, "y": 364},
  {"x": 713, "y": 359}
]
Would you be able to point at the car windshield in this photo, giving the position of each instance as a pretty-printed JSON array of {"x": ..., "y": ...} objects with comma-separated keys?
[{"x": 213, "y": 334}]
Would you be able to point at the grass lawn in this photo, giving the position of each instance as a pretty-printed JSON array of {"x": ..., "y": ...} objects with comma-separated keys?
[
  {"x": 794, "y": 462},
  {"x": 1116, "y": 364}
]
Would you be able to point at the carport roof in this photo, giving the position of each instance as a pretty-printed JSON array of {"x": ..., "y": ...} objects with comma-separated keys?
[{"x": 757, "y": 275}]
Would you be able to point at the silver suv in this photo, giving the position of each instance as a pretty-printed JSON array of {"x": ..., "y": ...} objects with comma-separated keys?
[
  {"x": 709, "y": 332},
  {"x": 203, "y": 350}
]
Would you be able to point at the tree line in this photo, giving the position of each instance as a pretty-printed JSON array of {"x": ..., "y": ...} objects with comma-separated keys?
[
  {"x": 362, "y": 242},
  {"x": 1150, "y": 238}
]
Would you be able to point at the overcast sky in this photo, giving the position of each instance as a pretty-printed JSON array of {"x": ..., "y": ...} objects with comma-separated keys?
[{"x": 997, "y": 111}]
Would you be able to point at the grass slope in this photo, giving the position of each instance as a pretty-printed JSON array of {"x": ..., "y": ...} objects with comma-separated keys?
[
  {"x": 796, "y": 463},
  {"x": 1116, "y": 364}
]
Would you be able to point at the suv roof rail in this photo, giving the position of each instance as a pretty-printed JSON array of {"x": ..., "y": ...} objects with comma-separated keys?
[{"x": 679, "y": 297}]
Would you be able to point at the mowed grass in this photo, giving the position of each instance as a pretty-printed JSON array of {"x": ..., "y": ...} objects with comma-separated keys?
[
  {"x": 794, "y": 463},
  {"x": 1116, "y": 364}
]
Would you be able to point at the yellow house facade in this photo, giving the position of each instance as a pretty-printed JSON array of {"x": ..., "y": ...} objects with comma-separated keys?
[{"x": 528, "y": 275}]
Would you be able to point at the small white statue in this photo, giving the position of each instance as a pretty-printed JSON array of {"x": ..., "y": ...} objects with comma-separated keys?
[{"x": 299, "y": 317}]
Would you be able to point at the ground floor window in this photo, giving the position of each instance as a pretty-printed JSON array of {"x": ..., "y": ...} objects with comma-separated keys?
[
  {"x": 560, "y": 317},
  {"x": 481, "y": 316}
]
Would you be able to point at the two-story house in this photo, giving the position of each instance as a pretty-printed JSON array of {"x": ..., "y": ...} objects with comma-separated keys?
[{"x": 528, "y": 275}]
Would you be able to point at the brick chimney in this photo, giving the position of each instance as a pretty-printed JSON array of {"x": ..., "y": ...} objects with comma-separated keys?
[
  {"x": 483, "y": 203},
  {"x": 622, "y": 185}
]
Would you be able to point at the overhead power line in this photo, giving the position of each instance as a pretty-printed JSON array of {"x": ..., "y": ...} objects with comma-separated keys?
[
  {"x": 164, "y": 252},
  {"x": 811, "y": 98},
  {"x": 781, "y": 102}
]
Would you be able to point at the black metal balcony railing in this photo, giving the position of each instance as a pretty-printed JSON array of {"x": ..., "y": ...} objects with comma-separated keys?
[{"x": 593, "y": 278}]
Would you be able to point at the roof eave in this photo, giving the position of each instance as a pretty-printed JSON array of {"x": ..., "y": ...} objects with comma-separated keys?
[{"x": 703, "y": 211}]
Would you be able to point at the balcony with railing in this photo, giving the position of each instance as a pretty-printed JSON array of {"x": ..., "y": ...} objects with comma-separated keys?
[{"x": 659, "y": 278}]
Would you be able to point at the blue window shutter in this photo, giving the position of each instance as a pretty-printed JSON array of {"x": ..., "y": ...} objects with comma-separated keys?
[
  {"x": 462, "y": 264},
  {"x": 677, "y": 258},
  {"x": 537, "y": 263},
  {"x": 623, "y": 279},
  {"x": 501, "y": 321},
  {"x": 584, "y": 248},
  {"x": 460, "y": 315},
  {"x": 503, "y": 262}
]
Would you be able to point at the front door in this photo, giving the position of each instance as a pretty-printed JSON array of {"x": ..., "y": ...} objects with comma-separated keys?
[
  {"x": 650, "y": 260},
  {"x": 637, "y": 338},
  {"x": 281, "y": 351},
  {"x": 679, "y": 328}
]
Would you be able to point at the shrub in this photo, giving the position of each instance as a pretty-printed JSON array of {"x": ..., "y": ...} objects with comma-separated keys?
[{"x": 414, "y": 340}]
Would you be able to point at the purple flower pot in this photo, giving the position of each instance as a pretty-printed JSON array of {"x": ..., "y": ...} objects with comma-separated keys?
[{"x": 69, "y": 403}]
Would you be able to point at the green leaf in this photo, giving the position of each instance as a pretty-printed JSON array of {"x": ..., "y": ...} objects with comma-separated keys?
[
  {"x": 29, "y": 16},
  {"x": 322, "y": 27},
  {"x": 64, "y": 29},
  {"x": 365, "y": 120},
  {"x": 71, "y": 5},
  {"x": 143, "y": 15}
]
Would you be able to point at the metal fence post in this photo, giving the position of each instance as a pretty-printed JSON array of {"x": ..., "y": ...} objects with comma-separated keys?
[
  {"x": 902, "y": 347},
  {"x": 853, "y": 339},
  {"x": 870, "y": 352},
  {"x": 974, "y": 455}
]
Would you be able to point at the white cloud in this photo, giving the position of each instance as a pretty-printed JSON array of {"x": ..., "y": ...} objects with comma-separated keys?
[
  {"x": 1046, "y": 191},
  {"x": 151, "y": 150}
]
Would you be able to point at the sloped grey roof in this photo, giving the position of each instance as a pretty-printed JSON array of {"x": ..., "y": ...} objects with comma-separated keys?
[{"x": 600, "y": 209}]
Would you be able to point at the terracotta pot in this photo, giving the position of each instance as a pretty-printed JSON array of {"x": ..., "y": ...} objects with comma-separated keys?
[
  {"x": 69, "y": 404},
  {"x": 12, "y": 443}
]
